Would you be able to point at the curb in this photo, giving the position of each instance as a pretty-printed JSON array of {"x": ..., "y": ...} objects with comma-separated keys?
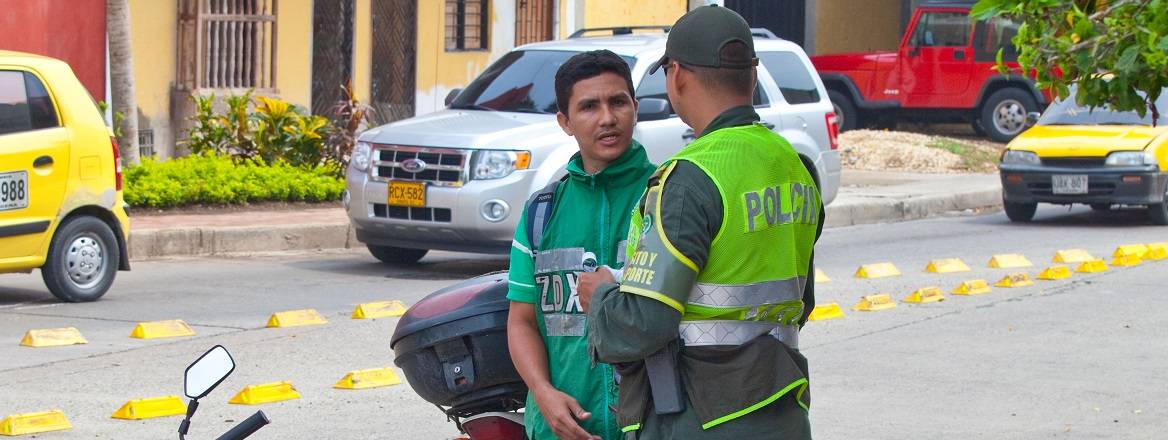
[{"x": 204, "y": 241}]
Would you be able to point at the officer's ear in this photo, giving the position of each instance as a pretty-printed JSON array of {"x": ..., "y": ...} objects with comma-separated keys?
[{"x": 564, "y": 123}]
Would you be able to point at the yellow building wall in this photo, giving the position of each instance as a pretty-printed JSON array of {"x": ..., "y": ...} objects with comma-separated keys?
[
  {"x": 439, "y": 71},
  {"x": 294, "y": 51},
  {"x": 363, "y": 50},
  {"x": 857, "y": 26},
  {"x": 153, "y": 34},
  {"x": 607, "y": 13}
]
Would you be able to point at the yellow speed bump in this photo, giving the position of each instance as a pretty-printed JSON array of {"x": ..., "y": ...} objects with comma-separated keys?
[
  {"x": 947, "y": 265},
  {"x": 877, "y": 270},
  {"x": 382, "y": 309},
  {"x": 372, "y": 378},
  {"x": 1156, "y": 251},
  {"x": 972, "y": 287},
  {"x": 33, "y": 423},
  {"x": 150, "y": 408},
  {"x": 53, "y": 337},
  {"x": 295, "y": 318},
  {"x": 1021, "y": 279},
  {"x": 823, "y": 312},
  {"x": 1055, "y": 273},
  {"x": 872, "y": 303},
  {"x": 1009, "y": 261},
  {"x": 1130, "y": 249},
  {"x": 821, "y": 277},
  {"x": 1127, "y": 260},
  {"x": 1092, "y": 266},
  {"x": 1072, "y": 256},
  {"x": 265, "y": 393},
  {"x": 926, "y": 295},
  {"x": 162, "y": 329}
]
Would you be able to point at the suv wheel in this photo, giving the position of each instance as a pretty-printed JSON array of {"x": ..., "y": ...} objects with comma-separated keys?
[
  {"x": 1020, "y": 212},
  {"x": 396, "y": 255},
  {"x": 1003, "y": 114},
  {"x": 845, "y": 111},
  {"x": 82, "y": 261},
  {"x": 1158, "y": 212}
]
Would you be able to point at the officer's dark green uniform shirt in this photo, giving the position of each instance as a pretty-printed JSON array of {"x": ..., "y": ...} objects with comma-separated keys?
[{"x": 625, "y": 329}]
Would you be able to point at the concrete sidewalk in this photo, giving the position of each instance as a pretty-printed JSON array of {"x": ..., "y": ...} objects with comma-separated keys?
[{"x": 864, "y": 197}]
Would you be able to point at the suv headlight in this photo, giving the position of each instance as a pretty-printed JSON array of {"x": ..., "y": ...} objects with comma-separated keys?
[
  {"x": 497, "y": 164},
  {"x": 1014, "y": 157},
  {"x": 360, "y": 156},
  {"x": 1130, "y": 158}
]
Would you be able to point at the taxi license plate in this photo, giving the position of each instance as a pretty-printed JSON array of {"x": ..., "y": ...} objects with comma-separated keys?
[
  {"x": 1069, "y": 184},
  {"x": 411, "y": 194},
  {"x": 13, "y": 190}
]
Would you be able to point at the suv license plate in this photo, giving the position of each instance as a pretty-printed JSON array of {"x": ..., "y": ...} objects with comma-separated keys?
[
  {"x": 13, "y": 190},
  {"x": 1069, "y": 184},
  {"x": 411, "y": 194}
]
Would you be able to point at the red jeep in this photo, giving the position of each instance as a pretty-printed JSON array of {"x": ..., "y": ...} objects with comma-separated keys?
[{"x": 944, "y": 71}]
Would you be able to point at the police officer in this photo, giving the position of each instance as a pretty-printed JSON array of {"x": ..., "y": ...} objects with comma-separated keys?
[{"x": 704, "y": 324}]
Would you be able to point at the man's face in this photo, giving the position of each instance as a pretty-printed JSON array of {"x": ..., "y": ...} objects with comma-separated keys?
[{"x": 601, "y": 115}]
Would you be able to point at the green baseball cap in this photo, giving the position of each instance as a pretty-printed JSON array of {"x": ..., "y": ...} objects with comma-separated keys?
[{"x": 698, "y": 37}]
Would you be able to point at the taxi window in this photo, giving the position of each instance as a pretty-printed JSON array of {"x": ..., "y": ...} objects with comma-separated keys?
[{"x": 24, "y": 103}]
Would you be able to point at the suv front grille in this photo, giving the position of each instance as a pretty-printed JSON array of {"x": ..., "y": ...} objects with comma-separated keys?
[{"x": 443, "y": 166}]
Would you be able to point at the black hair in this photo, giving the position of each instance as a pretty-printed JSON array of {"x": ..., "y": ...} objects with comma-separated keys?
[
  {"x": 737, "y": 82},
  {"x": 587, "y": 65}
]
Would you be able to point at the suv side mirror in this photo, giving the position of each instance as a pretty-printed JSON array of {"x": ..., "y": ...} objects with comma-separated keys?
[
  {"x": 653, "y": 109},
  {"x": 1032, "y": 118},
  {"x": 208, "y": 372},
  {"x": 450, "y": 96}
]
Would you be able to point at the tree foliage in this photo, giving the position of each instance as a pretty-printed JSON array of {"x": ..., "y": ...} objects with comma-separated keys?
[{"x": 1114, "y": 51}]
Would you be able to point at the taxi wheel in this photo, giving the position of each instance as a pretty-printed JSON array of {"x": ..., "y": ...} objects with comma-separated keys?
[
  {"x": 82, "y": 260},
  {"x": 1158, "y": 212},
  {"x": 396, "y": 255},
  {"x": 1020, "y": 212}
]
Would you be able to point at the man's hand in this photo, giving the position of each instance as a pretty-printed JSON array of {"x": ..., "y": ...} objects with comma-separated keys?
[
  {"x": 561, "y": 412},
  {"x": 588, "y": 282}
]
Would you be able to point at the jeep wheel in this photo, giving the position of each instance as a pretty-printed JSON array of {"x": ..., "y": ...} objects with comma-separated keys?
[
  {"x": 846, "y": 115},
  {"x": 1003, "y": 114},
  {"x": 396, "y": 255},
  {"x": 1020, "y": 212},
  {"x": 82, "y": 261}
]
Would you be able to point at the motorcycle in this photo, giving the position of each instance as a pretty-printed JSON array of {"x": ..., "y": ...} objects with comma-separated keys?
[
  {"x": 452, "y": 348},
  {"x": 202, "y": 376}
]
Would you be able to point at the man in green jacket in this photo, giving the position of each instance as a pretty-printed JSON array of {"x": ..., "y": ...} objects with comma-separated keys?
[
  {"x": 704, "y": 325},
  {"x": 567, "y": 229}
]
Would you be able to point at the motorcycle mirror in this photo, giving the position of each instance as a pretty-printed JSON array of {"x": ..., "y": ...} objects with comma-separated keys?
[{"x": 208, "y": 372}]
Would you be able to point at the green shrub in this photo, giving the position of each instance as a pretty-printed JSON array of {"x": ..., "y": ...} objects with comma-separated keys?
[
  {"x": 216, "y": 179},
  {"x": 260, "y": 127}
]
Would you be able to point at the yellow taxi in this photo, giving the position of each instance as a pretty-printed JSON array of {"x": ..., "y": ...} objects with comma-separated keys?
[
  {"x": 1098, "y": 157},
  {"x": 61, "y": 207}
]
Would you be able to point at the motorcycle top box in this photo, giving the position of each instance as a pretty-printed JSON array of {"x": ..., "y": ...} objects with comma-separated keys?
[{"x": 452, "y": 347}]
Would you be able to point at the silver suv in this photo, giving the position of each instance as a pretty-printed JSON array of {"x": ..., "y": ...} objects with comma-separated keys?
[{"x": 457, "y": 179}]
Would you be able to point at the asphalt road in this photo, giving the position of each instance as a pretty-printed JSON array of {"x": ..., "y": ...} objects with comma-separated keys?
[{"x": 1076, "y": 358}]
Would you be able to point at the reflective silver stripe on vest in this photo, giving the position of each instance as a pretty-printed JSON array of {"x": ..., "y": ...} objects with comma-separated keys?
[
  {"x": 555, "y": 260},
  {"x": 565, "y": 325},
  {"x": 699, "y": 333},
  {"x": 747, "y": 295},
  {"x": 621, "y": 256}
]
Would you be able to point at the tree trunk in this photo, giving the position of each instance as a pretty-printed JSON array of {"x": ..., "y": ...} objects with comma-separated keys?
[{"x": 121, "y": 61}]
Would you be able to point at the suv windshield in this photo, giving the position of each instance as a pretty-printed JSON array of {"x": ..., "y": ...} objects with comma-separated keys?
[
  {"x": 1067, "y": 112},
  {"x": 521, "y": 81}
]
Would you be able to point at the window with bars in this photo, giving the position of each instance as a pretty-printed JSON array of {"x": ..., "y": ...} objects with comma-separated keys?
[
  {"x": 466, "y": 25},
  {"x": 227, "y": 44}
]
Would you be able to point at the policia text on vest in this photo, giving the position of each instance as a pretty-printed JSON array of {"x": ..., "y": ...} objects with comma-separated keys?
[{"x": 781, "y": 205}]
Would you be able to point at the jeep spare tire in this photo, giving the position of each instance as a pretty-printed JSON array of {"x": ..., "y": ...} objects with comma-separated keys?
[
  {"x": 1003, "y": 114},
  {"x": 846, "y": 115}
]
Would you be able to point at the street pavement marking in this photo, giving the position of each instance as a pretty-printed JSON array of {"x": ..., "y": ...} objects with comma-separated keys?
[
  {"x": 296, "y": 318},
  {"x": 1092, "y": 266},
  {"x": 53, "y": 337},
  {"x": 1130, "y": 249},
  {"x": 382, "y": 309},
  {"x": 1009, "y": 261},
  {"x": 877, "y": 270},
  {"x": 1072, "y": 256},
  {"x": 972, "y": 287},
  {"x": 873, "y": 303},
  {"x": 371, "y": 378},
  {"x": 821, "y": 277},
  {"x": 1057, "y": 272},
  {"x": 947, "y": 265},
  {"x": 1156, "y": 251},
  {"x": 1127, "y": 260},
  {"x": 925, "y": 295},
  {"x": 823, "y": 312},
  {"x": 1020, "y": 279},
  {"x": 150, "y": 408},
  {"x": 34, "y": 423},
  {"x": 161, "y": 329},
  {"x": 265, "y": 393}
]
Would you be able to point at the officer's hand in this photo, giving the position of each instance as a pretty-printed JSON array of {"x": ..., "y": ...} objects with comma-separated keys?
[
  {"x": 561, "y": 411},
  {"x": 588, "y": 282}
]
